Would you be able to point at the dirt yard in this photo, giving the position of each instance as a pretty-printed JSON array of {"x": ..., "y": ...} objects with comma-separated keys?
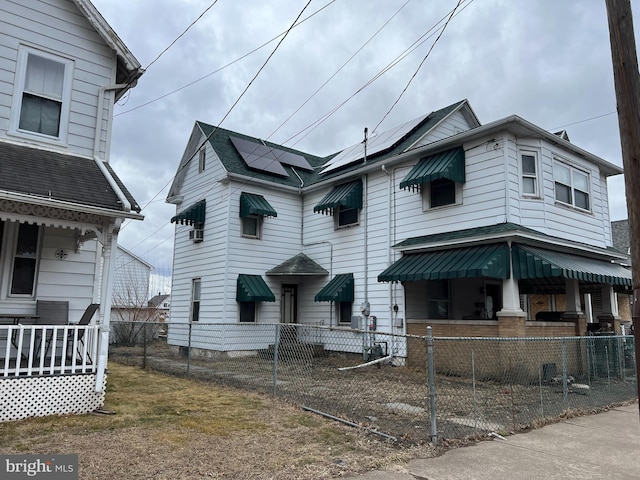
[{"x": 162, "y": 427}]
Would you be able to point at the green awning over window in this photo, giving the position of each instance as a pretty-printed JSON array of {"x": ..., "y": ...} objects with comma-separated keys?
[
  {"x": 252, "y": 204},
  {"x": 448, "y": 164},
  {"x": 194, "y": 214},
  {"x": 531, "y": 262},
  {"x": 339, "y": 289},
  {"x": 347, "y": 195},
  {"x": 252, "y": 288},
  {"x": 469, "y": 262}
]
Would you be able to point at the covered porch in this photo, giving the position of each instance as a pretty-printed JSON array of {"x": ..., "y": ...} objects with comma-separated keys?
[{"x": 510, "y": 288}]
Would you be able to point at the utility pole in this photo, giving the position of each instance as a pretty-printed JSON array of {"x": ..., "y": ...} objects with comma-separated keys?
[{"x": 627, "y": 85}]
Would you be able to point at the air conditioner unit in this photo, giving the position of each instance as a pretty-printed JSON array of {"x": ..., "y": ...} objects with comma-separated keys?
[{"x": 197, "y": 235}]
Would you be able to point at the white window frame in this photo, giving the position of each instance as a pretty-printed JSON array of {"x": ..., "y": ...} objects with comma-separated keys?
[
  {"x": 336, "y": 215},
  {"x": 426, "y": 197},
  {"x": 202, "y": 160},
  {"x": 258, "y": 221},
  {"x": 573, "y": 172},
  {"x": 196, "y": 298},
  {"x": 19, "y": 90},
  {"x": 526, "y": 175}
]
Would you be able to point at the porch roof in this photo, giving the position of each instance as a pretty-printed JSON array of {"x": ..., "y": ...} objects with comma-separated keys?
[
  {"x": 299, "y": 264},
  {"x": 448, "y": 164},
  {"x": 55, "y": 176},
  {"x": 532, "y": 262},
  {"x": 252, "y": 288},
  {"x": 339, "y": 289},
  {"x": 252, "y": 204},
  {"x": 490, "y": 260}
]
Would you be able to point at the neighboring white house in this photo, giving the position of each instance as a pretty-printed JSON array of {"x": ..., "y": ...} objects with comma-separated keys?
[
  {"x": 130, "y": 286},
  {"x": 61, "y": 204},
  {"x": 444, "y": 222}
]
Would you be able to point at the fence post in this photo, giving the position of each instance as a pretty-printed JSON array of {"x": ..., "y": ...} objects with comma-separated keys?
[
  {"x": 189, "y": 351},
  {"x": 432, "y": 387},
  {"x": 144, "y": 347},
  {"x": 275, "y": 359},
  {"x": 565, "y": 388}
]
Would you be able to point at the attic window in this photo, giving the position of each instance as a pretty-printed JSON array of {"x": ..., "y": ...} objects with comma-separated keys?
[{"x": 202, "y": 157}]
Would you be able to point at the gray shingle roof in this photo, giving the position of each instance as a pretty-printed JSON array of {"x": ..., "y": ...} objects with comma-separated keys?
[{"x": 56, "y": 176}]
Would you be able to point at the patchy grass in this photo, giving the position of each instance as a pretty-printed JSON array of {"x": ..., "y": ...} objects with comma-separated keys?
[{"x": 167, "y": 427}]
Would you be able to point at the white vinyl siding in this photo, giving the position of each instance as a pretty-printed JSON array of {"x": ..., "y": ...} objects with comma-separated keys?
[{"x": 67, "y": 34}]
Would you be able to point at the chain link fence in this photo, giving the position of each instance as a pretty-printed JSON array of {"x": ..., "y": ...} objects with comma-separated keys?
[{"x": 382, "y": 381}]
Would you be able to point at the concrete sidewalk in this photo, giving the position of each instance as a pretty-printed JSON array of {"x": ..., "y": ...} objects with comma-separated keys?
[{"x": 601, "y": 446}]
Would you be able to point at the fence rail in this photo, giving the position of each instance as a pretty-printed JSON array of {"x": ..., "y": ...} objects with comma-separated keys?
[
  {"x": 30, "y": 350},
  {"x": 403, "y": 386}
]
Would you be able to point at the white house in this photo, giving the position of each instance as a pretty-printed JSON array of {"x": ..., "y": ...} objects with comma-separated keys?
[
  {"x": 130, "y": 291},
  {"x": 499, "y": 229},
  {"x": 62, "y": 68}
]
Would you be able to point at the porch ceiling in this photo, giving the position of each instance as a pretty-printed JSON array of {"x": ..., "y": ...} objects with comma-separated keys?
[
  {"x": 481, "y": 261},
  {"x": 534, "y": 263}
]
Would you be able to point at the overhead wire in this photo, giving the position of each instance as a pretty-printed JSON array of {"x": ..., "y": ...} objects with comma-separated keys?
[
  {"x": 242, "y": 57},
  {"x": 419, "y": 66}
]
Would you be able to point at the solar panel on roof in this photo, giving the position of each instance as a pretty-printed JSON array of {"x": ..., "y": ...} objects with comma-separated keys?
[
  {"x": 292, "y": 159},
  {"x": 375, "y": 144},
  {"x": 258, "y": 156}
]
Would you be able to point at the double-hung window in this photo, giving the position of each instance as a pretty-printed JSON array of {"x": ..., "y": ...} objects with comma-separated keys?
[
  {"x": 571, "y": 186},
  {"x": 195, "y": 299},
  {"x": 20, "y": 247},
  {"x": 42, "y": 94},
  {"x": 529, "y": 169}
]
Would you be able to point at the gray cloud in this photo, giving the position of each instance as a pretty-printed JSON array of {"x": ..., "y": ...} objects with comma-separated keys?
[{"x": 548, "y": 61}]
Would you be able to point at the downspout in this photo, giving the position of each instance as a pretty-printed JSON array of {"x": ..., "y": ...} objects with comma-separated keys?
[
  {"x": 96, "y": 144},
  {"x": 109, "y": 264},
  {"x": 389, "y": 242},
  {"x": 505, "y": 154}
]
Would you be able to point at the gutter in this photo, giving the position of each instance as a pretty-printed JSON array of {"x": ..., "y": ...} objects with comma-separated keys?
[{"x": 96, "y": 144}]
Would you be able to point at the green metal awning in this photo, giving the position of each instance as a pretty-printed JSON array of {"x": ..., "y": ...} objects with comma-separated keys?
[
  {"x": 448, "y": 164},
  {"x": 469, "y": 262},
  {"x": 194, "y": 214},
  {"x": 252, "y": 288},
  {"x": 346, "y": 195},
  {"x": 531, "y": 262},
  {"x": 252, "y": 204},
  {"x": 339, "y": 289}
]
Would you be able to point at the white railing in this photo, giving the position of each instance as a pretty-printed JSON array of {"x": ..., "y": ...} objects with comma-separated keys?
[{"x": 34, "y": 350}]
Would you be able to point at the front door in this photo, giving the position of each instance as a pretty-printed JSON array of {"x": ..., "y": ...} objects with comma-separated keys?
[{"x": 289, "y": 304}]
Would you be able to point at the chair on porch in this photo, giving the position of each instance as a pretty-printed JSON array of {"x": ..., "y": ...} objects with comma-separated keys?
[
  {"x": 49, "y": 312},
  {"x": 84, "y": 320}
]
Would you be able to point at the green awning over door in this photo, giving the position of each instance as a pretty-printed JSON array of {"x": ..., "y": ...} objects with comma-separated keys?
[
  {"x": 346, "y": 195},
  {"x": 252, "y": 288},
  {"x": 339, "y": 289},
  {"x": 448, "y": 164},
  {"x": 252, "y": 204},
  {"x": 490, "y": 261},
  {"x": 531, "y": 262}
]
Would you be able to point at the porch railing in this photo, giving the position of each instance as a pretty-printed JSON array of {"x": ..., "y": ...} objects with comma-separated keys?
[{"x": 36, "y": 350}]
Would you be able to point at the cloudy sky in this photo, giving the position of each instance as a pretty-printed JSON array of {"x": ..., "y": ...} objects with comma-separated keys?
[{"x": 548, "y": 61}]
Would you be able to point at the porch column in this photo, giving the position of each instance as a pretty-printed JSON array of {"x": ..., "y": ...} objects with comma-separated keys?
[
  {"x": 573, "y": 310},
  {"x": 110, "y": 242},
  {"x": 511, "y": 319},
  {"x": 609, "y": 317}
]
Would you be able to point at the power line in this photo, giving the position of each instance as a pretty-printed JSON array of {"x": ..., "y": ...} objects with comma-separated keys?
[
  {"x": 242, "y": 57},
  {"x": 419, "y": 66}
]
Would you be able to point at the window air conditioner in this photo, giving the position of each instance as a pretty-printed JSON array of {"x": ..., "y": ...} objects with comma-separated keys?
[{"x": 197, "y": 235}]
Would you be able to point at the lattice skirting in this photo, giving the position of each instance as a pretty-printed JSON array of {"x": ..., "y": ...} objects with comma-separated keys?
[{"x": 41, "y": 396}]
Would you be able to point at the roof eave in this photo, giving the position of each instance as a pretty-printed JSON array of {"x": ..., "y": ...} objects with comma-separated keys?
[{"x": 77, "y": 207}]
